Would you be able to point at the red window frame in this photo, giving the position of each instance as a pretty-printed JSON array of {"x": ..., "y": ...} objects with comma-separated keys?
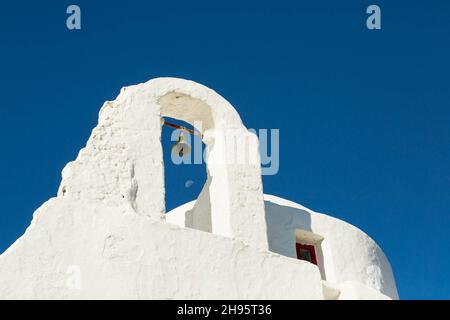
[{"x": 308, "y": 247}]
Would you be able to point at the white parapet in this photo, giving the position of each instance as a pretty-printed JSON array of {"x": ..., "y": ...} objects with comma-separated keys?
[{"x": 351, "y": 264}]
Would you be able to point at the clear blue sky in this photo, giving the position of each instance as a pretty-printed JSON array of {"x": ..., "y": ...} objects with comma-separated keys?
[{"x": 364, "y": 116}]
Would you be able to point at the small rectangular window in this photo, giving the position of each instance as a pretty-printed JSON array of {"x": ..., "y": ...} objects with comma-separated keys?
[{"x": 306, "y": 252}]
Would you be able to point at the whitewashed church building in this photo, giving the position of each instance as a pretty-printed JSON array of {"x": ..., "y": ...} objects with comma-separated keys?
[{"x": 107, "y": 234}]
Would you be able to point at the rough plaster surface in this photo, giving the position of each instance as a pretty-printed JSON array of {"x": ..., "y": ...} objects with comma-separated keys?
[
  {"x": 122, "y": 255},
  {"x": 122, "y": 161},
  {"x": 105, "y": 234}
]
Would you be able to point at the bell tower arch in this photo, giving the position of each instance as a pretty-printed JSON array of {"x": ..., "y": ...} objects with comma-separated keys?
[{"x": 123, "y": 163}]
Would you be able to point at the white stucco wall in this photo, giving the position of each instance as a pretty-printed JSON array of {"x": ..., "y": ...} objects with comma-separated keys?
[
  {"x": 122, "y": 255},
  {"x": 349, "y": 260}
]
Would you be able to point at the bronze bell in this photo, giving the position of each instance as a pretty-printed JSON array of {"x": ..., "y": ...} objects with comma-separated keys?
[{"x": 181, "y": 148}]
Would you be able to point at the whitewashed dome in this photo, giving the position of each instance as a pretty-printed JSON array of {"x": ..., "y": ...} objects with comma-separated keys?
[{"x": 351, "y": 264}]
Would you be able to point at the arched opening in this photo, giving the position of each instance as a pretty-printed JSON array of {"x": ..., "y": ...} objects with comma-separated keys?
[
  {"x": 186, "y": 175},
  {"x": 123, "y": 160}
]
